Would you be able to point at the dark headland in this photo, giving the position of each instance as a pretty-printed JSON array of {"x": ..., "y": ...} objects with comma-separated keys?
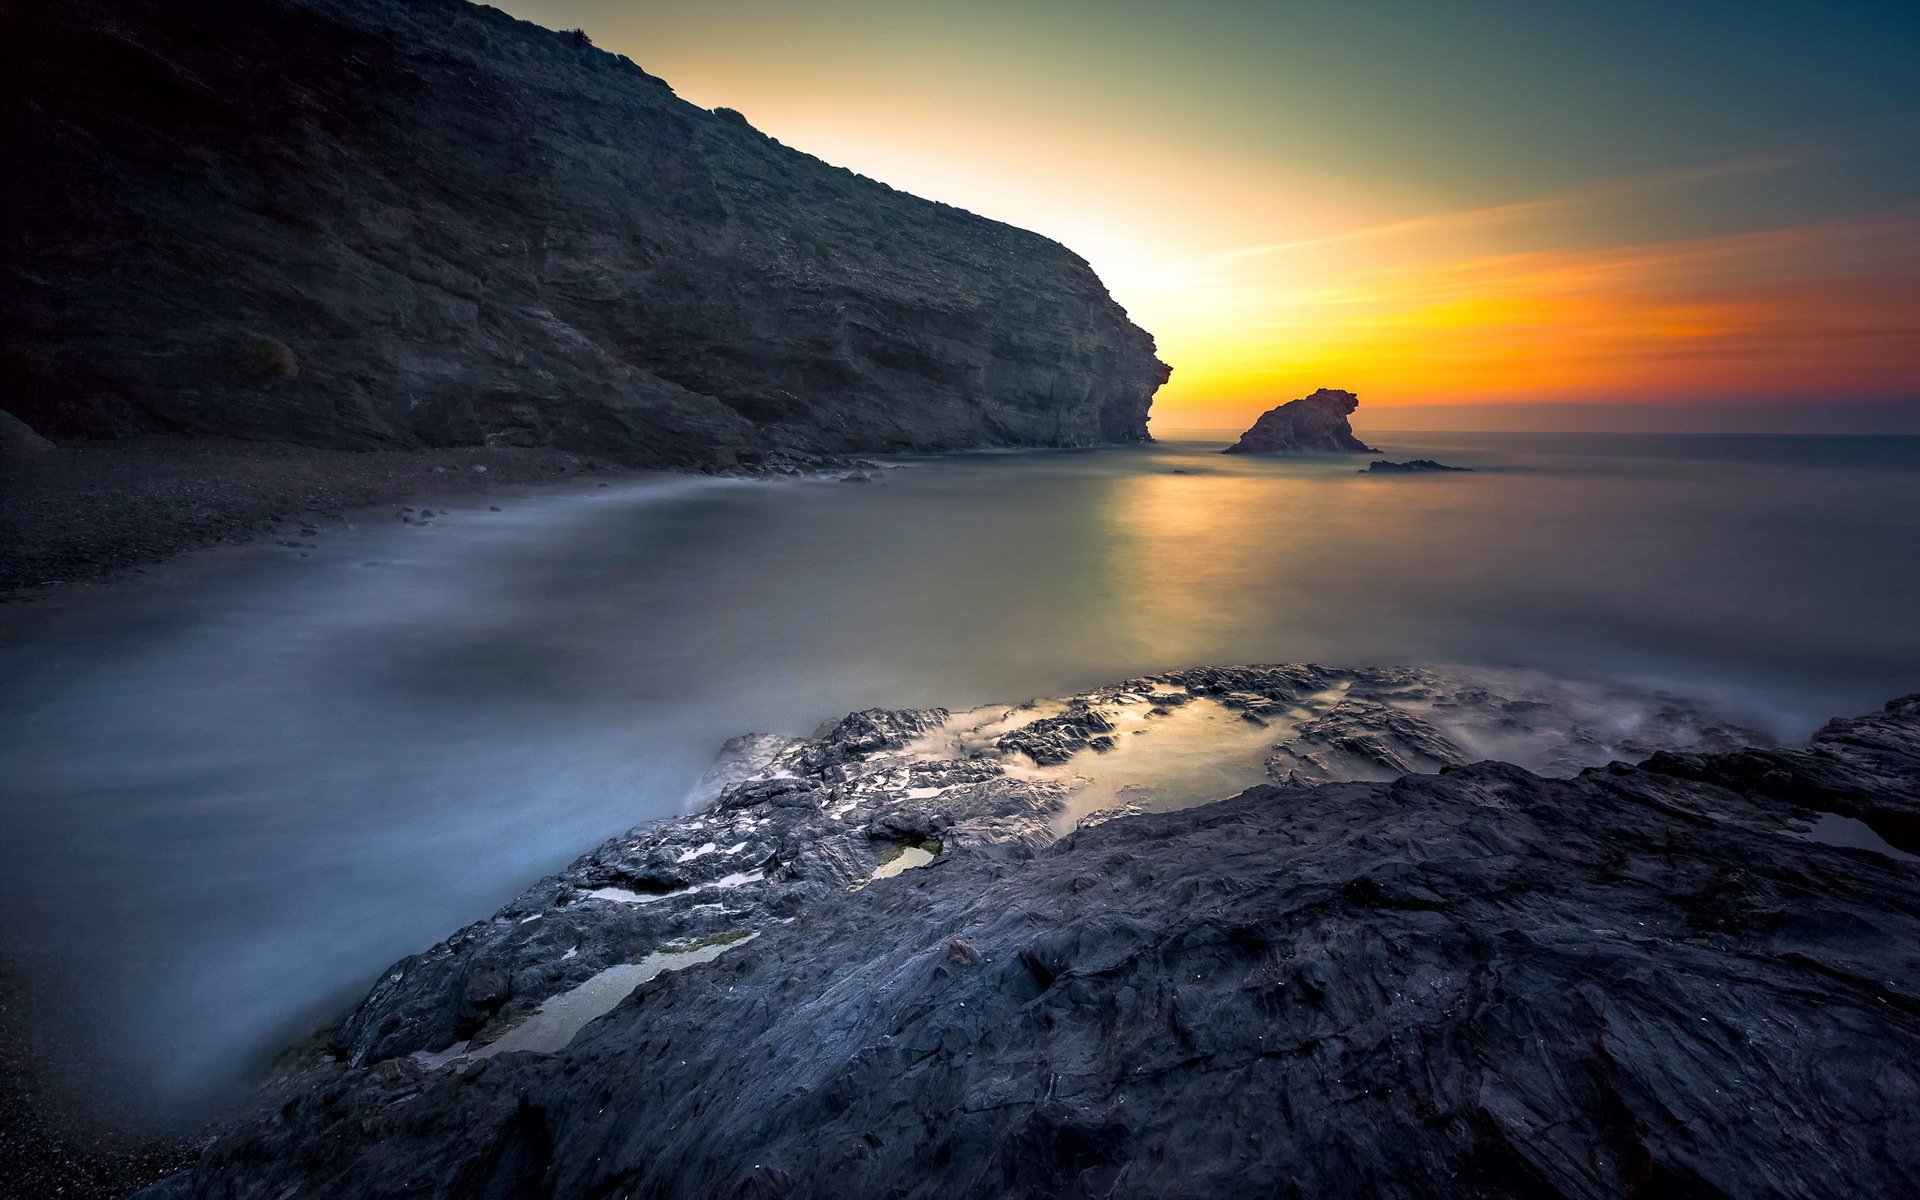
[{"x": 385, "y": 225}]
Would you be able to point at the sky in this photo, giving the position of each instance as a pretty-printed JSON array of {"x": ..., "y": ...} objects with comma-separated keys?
[{"x": 1699, "y": 214}]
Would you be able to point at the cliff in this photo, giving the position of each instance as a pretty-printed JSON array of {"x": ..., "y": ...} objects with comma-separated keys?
[
  {"x": 1311, "y": 424},
  {"x": 399, "y": 223},
  {"x": 1694, "y": 976}
]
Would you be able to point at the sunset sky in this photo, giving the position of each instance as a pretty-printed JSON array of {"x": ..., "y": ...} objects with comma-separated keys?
[{"x": 1473, "y": 215}]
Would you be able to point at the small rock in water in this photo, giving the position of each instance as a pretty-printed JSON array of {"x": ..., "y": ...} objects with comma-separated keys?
[{"x": 1411, "y": 466}]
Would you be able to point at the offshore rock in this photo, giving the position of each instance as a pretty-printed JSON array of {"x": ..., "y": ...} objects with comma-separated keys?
[
  {"x": 1315, "y": 424},
  {"x": 1412, "y": 466},
  {"x": 1661, "y": 979},
  {"x": 399, "y": 223}
]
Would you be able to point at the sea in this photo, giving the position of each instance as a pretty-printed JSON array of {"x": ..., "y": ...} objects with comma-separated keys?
[{"x": 238, "y": 788}]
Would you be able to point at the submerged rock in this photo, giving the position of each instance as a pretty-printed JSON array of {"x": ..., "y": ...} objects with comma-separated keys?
[
  {"x": 399, "y": 223},
  {"x": 1312, "y": 424},
  {"x": 1411, "y": 466},
  {"x": 1641, "y": 979}
]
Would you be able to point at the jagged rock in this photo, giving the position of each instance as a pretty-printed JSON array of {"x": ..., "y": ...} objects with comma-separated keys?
[
  {"x": 1374, "y": 739},
  {"x": 1641, "y": 980},
  {"x": 1412, "y": 466},
  {"x": 858, "y": 735},
  {"x": 1311, "y": 424},
  {"x": 376, "y": 223},
  {"x": 1053, "y": 740},
  {"x": 794, "y": 820}
]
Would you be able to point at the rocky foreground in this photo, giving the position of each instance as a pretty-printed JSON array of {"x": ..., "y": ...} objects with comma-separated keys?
[
  {"x": 422, "y": 223},
  {"x": 946, "y": 954}
]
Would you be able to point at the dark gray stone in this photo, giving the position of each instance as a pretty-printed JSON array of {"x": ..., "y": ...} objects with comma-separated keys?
[
  {"x": 377, "y": 223},
  {"x": 1413, "y": 466}
]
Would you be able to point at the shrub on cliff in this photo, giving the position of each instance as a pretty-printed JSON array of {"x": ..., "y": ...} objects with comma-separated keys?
[
  {"x": 260, "y": 359},
  {"x": 733, "y": 116}
]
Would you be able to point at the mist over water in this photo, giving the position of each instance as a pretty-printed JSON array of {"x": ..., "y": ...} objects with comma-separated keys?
[{"x": 236, "y": 792}]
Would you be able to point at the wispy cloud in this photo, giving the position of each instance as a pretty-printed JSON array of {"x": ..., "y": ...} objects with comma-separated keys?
[
  {"x": 1555, "y": 204},
  {"x": 1821, "y": 308}
]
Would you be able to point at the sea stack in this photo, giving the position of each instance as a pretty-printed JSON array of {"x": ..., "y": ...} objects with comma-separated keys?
[{"x": 1315, "y": 424}]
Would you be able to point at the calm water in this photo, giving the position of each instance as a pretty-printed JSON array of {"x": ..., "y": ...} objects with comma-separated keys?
[{"x": 235, "y": 793}]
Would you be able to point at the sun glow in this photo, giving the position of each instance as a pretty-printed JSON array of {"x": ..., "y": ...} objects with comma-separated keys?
[{"x": 1300, "y": 197}]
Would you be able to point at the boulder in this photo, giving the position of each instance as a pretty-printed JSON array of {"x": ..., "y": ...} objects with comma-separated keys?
[
  {"x": 1315, "y": 424},
  {"x": 1669, "y": 978}
]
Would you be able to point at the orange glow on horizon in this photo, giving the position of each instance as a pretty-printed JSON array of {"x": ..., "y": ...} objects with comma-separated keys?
[
  {"x": 1821, "y": 310},
  {"x": 1269, "y": 256}
]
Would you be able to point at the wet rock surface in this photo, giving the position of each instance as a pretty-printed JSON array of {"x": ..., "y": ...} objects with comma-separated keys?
[
  {"x": 377, "y": 224},
  {"x": 1315, "y": 424},
  {"x": 1634, "y": 980}
]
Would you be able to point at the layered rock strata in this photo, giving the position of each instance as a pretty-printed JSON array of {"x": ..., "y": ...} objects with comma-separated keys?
[
  {"x": 399, "y": 223},
  {"x": 1691, "y": 976}
]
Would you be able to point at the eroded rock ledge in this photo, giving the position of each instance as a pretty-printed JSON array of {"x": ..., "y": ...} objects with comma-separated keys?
[{"x": 1392, "y": 972}]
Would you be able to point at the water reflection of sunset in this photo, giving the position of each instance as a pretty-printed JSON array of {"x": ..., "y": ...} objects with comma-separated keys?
[{"x": 1204, "y": 552}]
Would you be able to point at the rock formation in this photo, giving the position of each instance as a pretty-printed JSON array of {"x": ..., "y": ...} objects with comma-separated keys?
[
  {"x": 395, "y": 223},
  {"x": 1315, "y": 424},
  {"x": 1412, "y": 466},
  {"x": 1663, "y": 979}
]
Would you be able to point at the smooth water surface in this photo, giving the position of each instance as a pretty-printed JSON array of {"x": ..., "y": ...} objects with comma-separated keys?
[{"x": 237, "y": 791}]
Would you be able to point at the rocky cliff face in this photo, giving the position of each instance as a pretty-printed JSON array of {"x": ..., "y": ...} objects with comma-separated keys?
[
  {"x": 1692, "y": 977},
  {"x": 369, "y": 223},
  {"x": 1311, "y": 424}
]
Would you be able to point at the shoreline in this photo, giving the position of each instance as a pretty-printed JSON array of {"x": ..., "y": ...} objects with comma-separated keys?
[{"x": 88, "y": 515}]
